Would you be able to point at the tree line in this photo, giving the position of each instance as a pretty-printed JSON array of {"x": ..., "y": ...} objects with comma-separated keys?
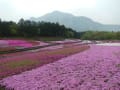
[
  {"x": 26, "y": 28},
  {"x": 100, "y": 35}
]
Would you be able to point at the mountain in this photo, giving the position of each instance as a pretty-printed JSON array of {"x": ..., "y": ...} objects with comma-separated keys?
[{"x": 78, "y": 23}]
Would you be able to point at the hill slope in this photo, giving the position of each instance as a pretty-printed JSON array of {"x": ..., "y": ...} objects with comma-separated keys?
[{"x": 78, "y": 23}]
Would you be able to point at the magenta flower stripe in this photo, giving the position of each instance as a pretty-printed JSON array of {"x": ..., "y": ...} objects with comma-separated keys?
[{"x": 97, "y": 68}]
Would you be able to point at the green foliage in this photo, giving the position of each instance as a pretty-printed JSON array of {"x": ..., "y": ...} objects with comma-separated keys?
[
  {"x": 26, "y": 28},
  {"x": 20, "y": 63},
  {"x": 97, "y": 35},
  {"x": 30, "y": 29}
]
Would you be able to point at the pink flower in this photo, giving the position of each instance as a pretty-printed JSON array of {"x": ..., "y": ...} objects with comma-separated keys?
[{"x": 94, "y": 69}]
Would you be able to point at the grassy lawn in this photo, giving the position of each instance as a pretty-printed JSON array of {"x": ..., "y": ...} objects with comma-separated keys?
[
  {"x": 67, "y": 51},
  {"x": 20, "y": 63},
  {"x": 51, "y": 38}
]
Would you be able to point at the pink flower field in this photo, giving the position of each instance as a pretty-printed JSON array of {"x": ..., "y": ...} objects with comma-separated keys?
[
  {"x": 19, "y": 62},
  {"x": 97, "y": 68},
  {"x": 8, "y": 43},
  {"x": 19, "y": 43}
]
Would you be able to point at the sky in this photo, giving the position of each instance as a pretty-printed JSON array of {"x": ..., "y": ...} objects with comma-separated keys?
[{"x": 103, "y": 11}]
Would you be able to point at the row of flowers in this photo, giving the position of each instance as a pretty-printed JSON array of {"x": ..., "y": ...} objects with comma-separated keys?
[
  {"x": 8, "y": 43},
  {"x": 98, "y": 68},
  {"x": 16, "y": 63}
]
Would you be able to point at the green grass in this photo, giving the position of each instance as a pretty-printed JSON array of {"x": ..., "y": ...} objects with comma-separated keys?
[
  {"x": 65, "y": 51},
  {"x": 20, "y": 63},
  {"x": 51, "y": 38}
]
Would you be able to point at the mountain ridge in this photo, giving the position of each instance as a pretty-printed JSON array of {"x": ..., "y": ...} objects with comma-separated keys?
[{"x": 78, "y": 23}]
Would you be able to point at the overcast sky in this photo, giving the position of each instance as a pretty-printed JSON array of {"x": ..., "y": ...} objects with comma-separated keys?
[{"x": 104, "y": 11}]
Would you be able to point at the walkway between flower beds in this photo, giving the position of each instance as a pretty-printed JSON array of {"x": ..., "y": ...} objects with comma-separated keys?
[{"x": 95, "y": 69}]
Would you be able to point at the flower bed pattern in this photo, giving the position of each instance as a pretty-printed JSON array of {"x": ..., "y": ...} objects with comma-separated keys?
[
  {"x": 14, "y": 43},
  {"x": 95, "y": 69},
  {"x": 41, "y": 58}
]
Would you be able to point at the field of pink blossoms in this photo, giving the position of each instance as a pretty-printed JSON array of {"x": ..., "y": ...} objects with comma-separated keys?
[
  {"x": 97, "y": 68},
  {"x": 8, "y": 43},
  {"x": 14, "y": 63}
]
